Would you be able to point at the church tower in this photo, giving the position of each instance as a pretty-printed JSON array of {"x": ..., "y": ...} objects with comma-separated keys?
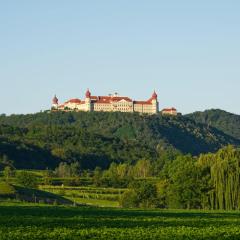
[
  {"x": 55, "y": 102},
  {"x": 88, "y": 101},
  {"x": 154, "y": 103}
]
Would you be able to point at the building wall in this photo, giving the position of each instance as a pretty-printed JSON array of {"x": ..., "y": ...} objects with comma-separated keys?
[
  {"x": 120, "y": 106},
  {"x": 172, "y": 112},
  {"x": 102, "y": 107}
]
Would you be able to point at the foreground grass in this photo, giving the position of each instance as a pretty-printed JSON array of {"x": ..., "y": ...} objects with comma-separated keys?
[{"x": 49, "y": 222}]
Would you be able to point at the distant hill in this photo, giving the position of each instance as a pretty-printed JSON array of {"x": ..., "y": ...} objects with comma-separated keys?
[
  {"x": 226, "y": 122},
  {"x": 98, "y": 138}
]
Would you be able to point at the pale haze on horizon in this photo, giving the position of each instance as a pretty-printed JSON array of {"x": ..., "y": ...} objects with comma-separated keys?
[{"x": 188, "y": 51}]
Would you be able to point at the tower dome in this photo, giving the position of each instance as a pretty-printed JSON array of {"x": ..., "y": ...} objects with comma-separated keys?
[
  {"x": 55, "y": 100},
  {"x": 154, "y": 95},
  {"x": 88, "y": 94}
]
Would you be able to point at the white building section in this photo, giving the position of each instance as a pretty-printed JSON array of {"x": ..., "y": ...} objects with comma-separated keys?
[{"x": 111, "y": 103}]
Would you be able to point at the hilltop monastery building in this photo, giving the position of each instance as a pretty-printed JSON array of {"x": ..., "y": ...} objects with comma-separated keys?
[{"x": 111, "y": 103}]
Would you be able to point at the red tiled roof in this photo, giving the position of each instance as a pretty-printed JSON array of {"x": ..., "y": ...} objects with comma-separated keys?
[
  {"x": 169, "y": 109},
  {"x": 103, "y": 99},
  {"x": 109, "y": 99},
  {"x": 75, "y": 100},
  {"x": 150, "y": 99},
  {"x": 117, "y": 99},
  {"x": 94, "y": 97}
]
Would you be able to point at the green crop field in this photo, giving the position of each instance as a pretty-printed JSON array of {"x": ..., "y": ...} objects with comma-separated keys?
[
  {"x": 56, "y": 222},
  {"x": 90, "y": 195}
]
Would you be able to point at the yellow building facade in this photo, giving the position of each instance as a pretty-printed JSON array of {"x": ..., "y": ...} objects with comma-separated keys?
[{"x": 110, "y": 103}]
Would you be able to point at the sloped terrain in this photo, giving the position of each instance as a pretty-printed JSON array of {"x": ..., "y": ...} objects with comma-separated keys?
[
  {"x": 226, "y": 122},
  {"x": 96, "y": 139}
]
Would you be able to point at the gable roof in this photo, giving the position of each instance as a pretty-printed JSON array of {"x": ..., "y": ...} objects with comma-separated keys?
[{"x": 74, "y": 100}]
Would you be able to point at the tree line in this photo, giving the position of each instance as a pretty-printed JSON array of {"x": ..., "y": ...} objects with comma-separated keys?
[{"x": 210, "y": 181}]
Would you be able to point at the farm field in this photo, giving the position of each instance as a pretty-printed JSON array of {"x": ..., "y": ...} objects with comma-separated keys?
[
  {"x": 90, "y": 195},
  {"x": 57, "y": 222}
]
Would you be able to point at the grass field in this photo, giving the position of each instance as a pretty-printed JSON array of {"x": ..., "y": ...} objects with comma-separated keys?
[
  {"x": 90, "y": 195},
  {"x": 55, "y": 222}
]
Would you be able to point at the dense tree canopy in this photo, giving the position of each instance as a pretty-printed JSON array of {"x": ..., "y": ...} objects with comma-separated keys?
[
  {"x": 97, "y": 139},
  {"x": 226, "y": 122}
]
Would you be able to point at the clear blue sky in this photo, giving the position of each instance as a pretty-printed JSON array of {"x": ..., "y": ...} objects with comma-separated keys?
[{"x": 189, "y": 51}]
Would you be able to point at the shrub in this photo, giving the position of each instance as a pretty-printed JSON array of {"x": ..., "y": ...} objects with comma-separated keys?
[
  {"x": 27, "y": 179},
  {"x": 129, "y": 199},
  {"x": 6, "y": 189},
  {"x": 141, "y": 194}
]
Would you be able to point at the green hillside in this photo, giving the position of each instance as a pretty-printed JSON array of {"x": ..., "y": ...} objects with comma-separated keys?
[
  {"x": 18, "y": 193},
  {"x": 96, "y": 139},
  {"x": 226, "y": 122}
]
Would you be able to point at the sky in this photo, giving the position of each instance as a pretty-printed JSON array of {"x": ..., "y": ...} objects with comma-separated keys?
[{"x": 188, "y": 51}]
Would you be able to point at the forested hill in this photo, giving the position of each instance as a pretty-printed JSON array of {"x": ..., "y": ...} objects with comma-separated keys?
[
  {"x": 44, "y": 139},
  {"x": 226, "y": 122}
]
